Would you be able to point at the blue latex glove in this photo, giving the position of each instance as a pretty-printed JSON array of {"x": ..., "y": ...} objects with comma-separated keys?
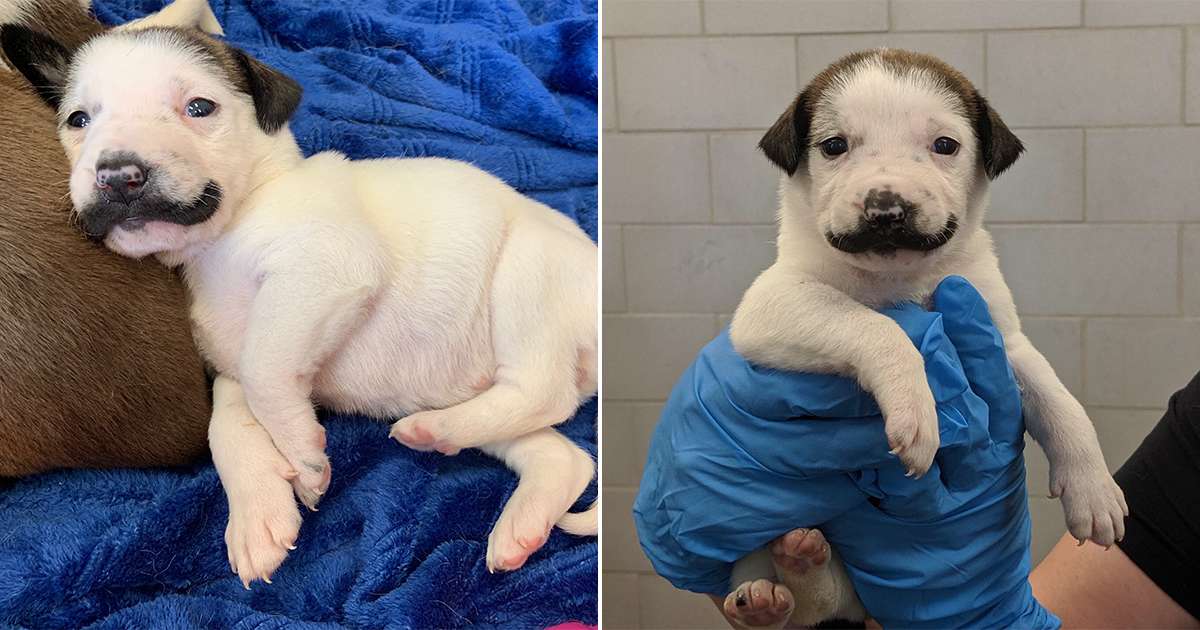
[{"x": 744, "y": 454}]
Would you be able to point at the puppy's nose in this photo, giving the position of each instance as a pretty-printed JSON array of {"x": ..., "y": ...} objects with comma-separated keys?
[
  {"x": 121, "y": 177},
  {"x": 883, "y": 207}
]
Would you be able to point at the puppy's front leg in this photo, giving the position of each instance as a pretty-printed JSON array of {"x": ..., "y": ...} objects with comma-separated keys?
[
  {"x": 1092, "y": 501},
  {"x": 263, "y": 519},
  {"x": 297, "y": 321},
  {"x": 790, "y": 321}
]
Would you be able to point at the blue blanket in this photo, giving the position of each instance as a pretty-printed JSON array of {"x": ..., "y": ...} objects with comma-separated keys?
[{"x": 509, "y": 85}]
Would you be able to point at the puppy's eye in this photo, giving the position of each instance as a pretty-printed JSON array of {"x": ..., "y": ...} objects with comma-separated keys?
[
  {"x": 79, "y": 120},
  {"x": 200, "y": 107},
  {"x": 834, "y": 147},
  {"x": 945, "y": 146}
]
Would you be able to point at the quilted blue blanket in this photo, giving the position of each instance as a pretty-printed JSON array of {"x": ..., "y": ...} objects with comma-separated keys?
[{"x": 509, "y": 85}]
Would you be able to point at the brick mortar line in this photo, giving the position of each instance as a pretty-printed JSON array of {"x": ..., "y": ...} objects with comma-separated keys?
[
  {"x": 1016, "y": 127},
  {"x": 1017, "y": 30}
]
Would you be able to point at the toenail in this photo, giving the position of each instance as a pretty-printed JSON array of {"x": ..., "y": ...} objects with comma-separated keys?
[{"x": 741, "y": 600}]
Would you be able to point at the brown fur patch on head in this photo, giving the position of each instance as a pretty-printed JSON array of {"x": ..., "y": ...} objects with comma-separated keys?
[
  {"x": 100, "y": 369},
  {"x": 276, "y": 96},
  {"x": 786, "y": 142}
]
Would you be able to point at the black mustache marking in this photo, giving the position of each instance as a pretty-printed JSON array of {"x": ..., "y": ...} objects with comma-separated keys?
[
  {"x": 887, "y": 240},
  {"x": 98, "y": 219}
]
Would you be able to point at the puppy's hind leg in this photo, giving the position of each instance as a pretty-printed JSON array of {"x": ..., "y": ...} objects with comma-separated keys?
[
  {"x": 544, "y": 338},
  {"x": 552, "y": 473}
]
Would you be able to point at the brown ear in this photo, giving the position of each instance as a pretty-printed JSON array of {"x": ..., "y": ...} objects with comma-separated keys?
[
  {"x": 786, "y": 142},
  {"x": 276, "y": 96},
  {"x": 998, "y": 146}
]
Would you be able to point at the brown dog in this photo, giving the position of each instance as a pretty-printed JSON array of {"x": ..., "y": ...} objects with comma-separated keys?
[{"x": 99, "y": 368}]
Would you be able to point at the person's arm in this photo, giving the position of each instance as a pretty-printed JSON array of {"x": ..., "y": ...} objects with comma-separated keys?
[{"x": 1091, "y": 587}]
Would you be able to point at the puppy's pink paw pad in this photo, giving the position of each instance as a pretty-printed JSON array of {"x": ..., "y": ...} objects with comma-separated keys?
[
  {"x": 800, "y": 550},
  {"x": 760, "y": 604}
]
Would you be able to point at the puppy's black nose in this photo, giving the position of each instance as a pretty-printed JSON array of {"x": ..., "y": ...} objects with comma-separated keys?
[
  {"x": 121, "y": 177},
  {"x": 884, "y": 207}
]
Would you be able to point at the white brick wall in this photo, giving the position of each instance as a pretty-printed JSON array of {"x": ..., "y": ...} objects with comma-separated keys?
[{"x": 1098, "y": 225}]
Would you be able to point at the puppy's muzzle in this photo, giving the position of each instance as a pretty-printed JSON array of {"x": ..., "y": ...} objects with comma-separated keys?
[
  {"x": 128, "y": 194},
  {"x": 121, "y": 177},
  {"x": 888, "y": 224}
]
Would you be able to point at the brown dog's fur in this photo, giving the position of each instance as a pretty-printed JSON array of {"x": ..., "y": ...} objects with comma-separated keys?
[{"x": 99, "y": 368}]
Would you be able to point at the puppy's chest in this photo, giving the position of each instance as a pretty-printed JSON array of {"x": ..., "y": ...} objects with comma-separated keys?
[{"x": 220, "y": 312}]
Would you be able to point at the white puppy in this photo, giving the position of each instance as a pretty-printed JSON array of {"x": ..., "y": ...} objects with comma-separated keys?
[
  {"x": 888, "y": 155},
  {"x": 422, "y": 288}
]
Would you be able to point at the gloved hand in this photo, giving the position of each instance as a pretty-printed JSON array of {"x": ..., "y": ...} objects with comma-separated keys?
[{"x": 743, "y": 454}]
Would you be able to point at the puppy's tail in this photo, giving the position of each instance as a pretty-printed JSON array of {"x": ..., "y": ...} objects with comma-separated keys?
[{"x": 585, "y": 523}]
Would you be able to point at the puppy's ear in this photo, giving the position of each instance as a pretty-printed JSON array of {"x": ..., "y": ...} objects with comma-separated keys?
[
  {"x": 786, "y": 142},
  {"x": 276, "y": 96},
  {"x": 39, "y": 57},
  {"x": 998, "y": 147}
]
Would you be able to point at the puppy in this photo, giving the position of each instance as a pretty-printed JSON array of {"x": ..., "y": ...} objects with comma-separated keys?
[
  {"x": 100, "y": 368},
  {"x": 887, "y": 156},
  {"x": 422, "y": 288}
]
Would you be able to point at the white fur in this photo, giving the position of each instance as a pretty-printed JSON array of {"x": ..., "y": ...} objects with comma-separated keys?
[
  {"x": 813, "y": 309},
  {"x": 422, "y": 288}
]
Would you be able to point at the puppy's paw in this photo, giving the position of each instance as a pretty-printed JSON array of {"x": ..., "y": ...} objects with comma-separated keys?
[
  {"x": 427, "y": 431},
  {"x": 912, "y": 431},
  {"x": 312, "y": 471},
  {"x": 800, "y": 550},
  {"x": 523, "y": 528},
  {"x": 1093, "y": 503},
  {"x": 760, "y": 604},
  {"x": 262, "y": 528}
]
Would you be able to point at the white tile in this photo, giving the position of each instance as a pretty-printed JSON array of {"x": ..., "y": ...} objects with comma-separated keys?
[
  {"x": 1076, "y": 78},
  {"x": 613, "y": 269},
  {"x": 1046, "y": 182},
  {"x": 1193, "y": 75},
  {"x": 645, "y": 354},
  {"x": 1121, "y": 431},
  {"x": 668, "y": 608},
  {"x": 1191, "y": 269},
  {"x": 727, "y": 17},
  {"x": 621, "y": 596},
  {"x": 1048, "y": 526},
  {"x": 704, "y": 83},
  {"x": 745, "y": 183},
  {"x": 964, "y": 51},
  {"x": 656, "y": 178},
  {"x": 694, "y": 269},
  {"x": 1140, "y": 12},
  {"x": 949, "y": 15},
  {"x": 627, "y": 431},
  {"x": 1060, "y": 340},
  {"x": 1140, "y": 362},
  {"x": 621, "y": 551},
  {"x": 651, "y": 17},
  {"x": 609, "y": 98},
  {"x": 1143, "y": 174},
  {"x": 1090, "y": 269}
]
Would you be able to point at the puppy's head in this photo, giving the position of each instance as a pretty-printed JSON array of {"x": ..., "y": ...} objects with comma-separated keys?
[
  {"x": 162, "y": 127},
  {"x": 888, "y": 154}
]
